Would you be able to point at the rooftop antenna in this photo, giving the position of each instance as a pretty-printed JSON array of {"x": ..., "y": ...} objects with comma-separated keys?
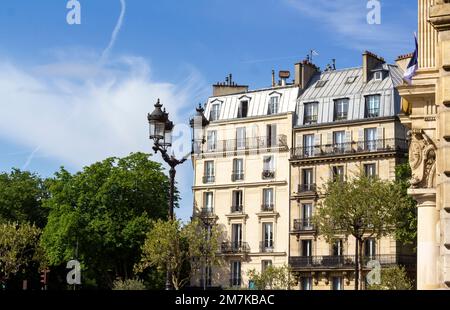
[
  {"x": 334, "y": 63},
  {"x": 312, "y": 53}
]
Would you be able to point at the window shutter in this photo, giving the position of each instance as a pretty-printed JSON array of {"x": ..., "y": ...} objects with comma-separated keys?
[
  {"x": 330, "y": 138},
  {"x": 317, "y": 143}
]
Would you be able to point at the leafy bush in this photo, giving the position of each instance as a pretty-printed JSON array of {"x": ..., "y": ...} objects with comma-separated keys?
[{"x": 129, "y": 285}]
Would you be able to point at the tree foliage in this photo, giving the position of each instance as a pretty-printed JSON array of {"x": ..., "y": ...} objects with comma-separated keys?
[
  {"x": 406, "y": 215},
  {"x": 272, "y": 278},
  {"x": 102, "y": 214},
  {"x": 363, "y": 207},
  {"x": 128, "y": 285},
  {"x": 171, "y": 246},
  {"x": 21, "y": 196},
  {"x": 19, "y": 247},
  {"x": 393, "y": 278}
]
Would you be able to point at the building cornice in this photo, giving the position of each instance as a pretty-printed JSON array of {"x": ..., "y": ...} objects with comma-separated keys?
[
  {"x": 232, "y": 121},
  {"x": 240, "y": 185}
]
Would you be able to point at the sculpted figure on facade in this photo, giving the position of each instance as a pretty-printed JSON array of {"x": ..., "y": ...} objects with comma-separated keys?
[{"x": 422, "y": 159}]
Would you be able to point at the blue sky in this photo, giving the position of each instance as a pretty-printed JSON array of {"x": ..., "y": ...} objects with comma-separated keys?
[{"x": 63, "y": 104}]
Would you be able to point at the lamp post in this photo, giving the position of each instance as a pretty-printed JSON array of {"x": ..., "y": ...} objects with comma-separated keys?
[{"x": 161, "y": 133}]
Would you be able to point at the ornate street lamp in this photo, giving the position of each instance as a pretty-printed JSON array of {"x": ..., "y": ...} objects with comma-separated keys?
[
  {"x": 161, "y": 133},
  {"x": 198, "y": 124}
]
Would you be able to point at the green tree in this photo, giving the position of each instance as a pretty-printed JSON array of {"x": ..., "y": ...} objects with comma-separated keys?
[
  {"x": 128, "y": 285},
  {"x": 272, "y": 278},
  {"x": 19, "y": 247},
  {"x": 21, "y": 196},
  {"x": 102, "y": 214},
  {"x": 393, "y": 278},
  {"x": 406, "y": 228},
  {"x": 362, "y": 207},
  {"x": 171, "y": 247}
]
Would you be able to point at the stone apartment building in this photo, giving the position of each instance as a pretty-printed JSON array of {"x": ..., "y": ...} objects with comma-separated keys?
[
  {"x": 346, "y": 124},
  {"x": 268, "y": 151}
]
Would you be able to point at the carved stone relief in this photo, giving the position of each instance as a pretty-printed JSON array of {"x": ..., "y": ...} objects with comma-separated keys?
[{"x": 422, "y": 159}]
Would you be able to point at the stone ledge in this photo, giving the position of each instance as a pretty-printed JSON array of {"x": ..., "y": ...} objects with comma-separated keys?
[{"x": 439, "y": 17}]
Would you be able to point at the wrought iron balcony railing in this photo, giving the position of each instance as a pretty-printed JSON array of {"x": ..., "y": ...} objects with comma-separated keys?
[
  {"x": 268, "y": 174},
  {"x": 209, "y": 179},
  {"x": 257, "y": 143},
  {"x": 237, "y": 209},
  {"x": 347, "y": 261},
  {"x": 310, "y": 119},
  {"x": 350, "y": 148},
  {"x": 303, "y": 225},
  {"x": 237, "y": 176},
  {"x": 235, "y": 247},
  {"x": 267, "y": 207},
  {"x": 307, "y": 188},
  {"x": 207, "y": 212},
  {"x": 266, "y": 246}
]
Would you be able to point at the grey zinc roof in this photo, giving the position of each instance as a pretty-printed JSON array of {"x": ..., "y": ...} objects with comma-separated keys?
[{"x": 337, "y": 87}]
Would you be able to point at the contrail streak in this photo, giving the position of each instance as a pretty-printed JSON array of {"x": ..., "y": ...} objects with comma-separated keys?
[
  {"x": 30, "y": 158},
  {"x": 116, "y": 31}
]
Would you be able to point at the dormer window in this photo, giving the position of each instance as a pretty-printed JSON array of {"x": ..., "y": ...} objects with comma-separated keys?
[
  {"x": 321, "y": 83},
  {"x": 243, "y": 109},
  {"x": 378, "y": 75},
  {"x": 273, "y": 105},
  {"x": 215, "y": 112}
]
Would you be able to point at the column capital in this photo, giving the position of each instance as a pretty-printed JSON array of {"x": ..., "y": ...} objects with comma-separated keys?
[{"x": 425, "y": 197}]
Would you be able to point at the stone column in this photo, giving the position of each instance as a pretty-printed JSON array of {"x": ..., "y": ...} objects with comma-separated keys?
[{"x": 427, "y": 238}]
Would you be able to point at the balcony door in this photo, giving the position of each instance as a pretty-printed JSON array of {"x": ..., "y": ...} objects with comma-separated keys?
[
  {"x": 235, "y": 273},
  {"x": 271, "y": 135},
  {"x": 237, "y": 201},
  {"x": 306, "y": 248},
  {"x": 307, "y": 210},
  {"x": 268, "y": 237},
  {"x": 339, "y": 141},
  {"x": 370, "y": 136},
  {"x": 268, "y": 204},
  {"x": 209, "y": 202},
  {"x": 241, "y": 138},
  {"x": 307, "y": 179},
  {"x": 236, "y": 236},
  {"x": 308, "y": 144}
]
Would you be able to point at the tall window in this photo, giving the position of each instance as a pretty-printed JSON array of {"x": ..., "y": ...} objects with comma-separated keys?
[
  {"x": 370, "y": 136},
  {"x": 209, "y": 172},
  {"x": 235, "y": 273},
  {"x": 373, "y": 106},
  {"x": 308, "y": 144},
  {"x": 311, "y": 113},
  {"x": 268, "y": 203},
  {"x": 273, "y": 105},
  {"x": 236, "y": 235},
  {"x": 243, "y": 109},
  {"x": 238, "y": 169},
  {"x": 268, "y": 167},
  {"x": 307, "y": 210},
  {"x": 271, "y": 135},
  {"x": 337, "y": 248},
  {"x": 215, "y": 112},
  {"x": 370, "y": 170},
  {"x": 265, "y": 264},
  {"x": 241, "y": 138},
  {"x": 306, "y": 248},
  {"x": 207, "y": 276},
  {"x": 340, "y": 109},
  {"x": 337, "y": 284},
  {"x": 237, "y": 201},
  {"x": 208, "y": 202},
  {"x": 306, "y": 283},
  {"x": 339, "y": 141},
  {"x": 267, "y": 243},
  {"x": 212, "y": 140},
  {"x": 370, "y": 247},
  {"x": 338, "y": 173},
  {"x": 307, "y": 180}
]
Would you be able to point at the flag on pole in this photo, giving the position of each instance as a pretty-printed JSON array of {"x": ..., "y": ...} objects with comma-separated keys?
[{"x": 413, "y": 65}]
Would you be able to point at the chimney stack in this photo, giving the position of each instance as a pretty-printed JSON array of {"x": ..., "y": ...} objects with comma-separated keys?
[
  {"x": 370, "y": 62},
  {"x": 228, "y": 87},
  {"x": 403, "y": 61},
  {"x": 273, "y": 78},
  {"x": 304, "y": 71}
]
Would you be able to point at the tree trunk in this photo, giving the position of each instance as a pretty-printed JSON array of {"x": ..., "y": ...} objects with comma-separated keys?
[
  {"x": 360, "y": 254},
  {"x": 356, "y": 264}
]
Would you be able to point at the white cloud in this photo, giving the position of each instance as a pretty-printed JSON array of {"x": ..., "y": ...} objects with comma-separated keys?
[
  {"x": 80, "y": 112},
  {"x": 346, "y": 22}
]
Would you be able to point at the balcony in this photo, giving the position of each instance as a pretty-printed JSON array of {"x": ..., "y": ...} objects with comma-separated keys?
[
  {"x": 350, "y": 148},
  {"x": 237, "y": 176},
  {"x": 267, "y": 207},
  {"x": 237, "y": 209},
  {"x": 209, "y": 179},
  {"x": 303, "y": 225},
  {"x": 266, "y": 246},
  {"x": 347, "y": 261},
  {"x": 310, "y": 119},
  {"x": 307, "y": 188},
  {"x": 207, "y": 213},
  {"x": 268, "y": 174},
  {"x": 256, "y": 144},
  {"x": 372, "y": 113},
  {"x": 237, "y": 247}
]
